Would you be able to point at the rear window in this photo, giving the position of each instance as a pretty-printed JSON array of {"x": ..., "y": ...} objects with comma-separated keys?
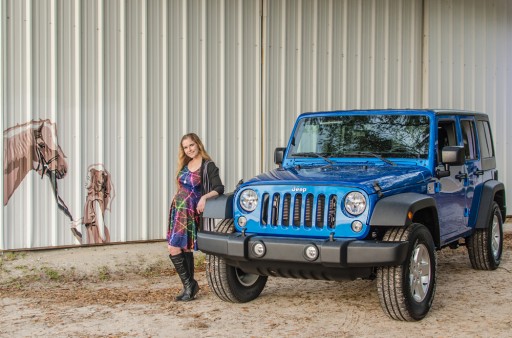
[{"x": 485, "y": 139}]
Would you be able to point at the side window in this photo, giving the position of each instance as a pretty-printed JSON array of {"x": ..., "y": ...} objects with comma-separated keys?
[
  {"x": 485, "y": 139},
  {"x": 446, "y": 136},
  {"x": 468, "y": 137}
]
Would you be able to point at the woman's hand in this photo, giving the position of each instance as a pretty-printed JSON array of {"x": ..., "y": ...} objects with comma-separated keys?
[{"x": 201, "y": 204}]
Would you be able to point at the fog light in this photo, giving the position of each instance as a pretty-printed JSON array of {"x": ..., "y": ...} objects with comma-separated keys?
[
  {"x": 311, "y": 252},
  {"x": 357, "y": 226},
  {"x": 242, "y": 221},
  {"x": 259, "y": 249}
]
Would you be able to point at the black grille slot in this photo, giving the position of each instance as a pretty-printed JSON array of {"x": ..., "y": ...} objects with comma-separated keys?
[
  {"x": 275, "y": 209},
  {"x": 320, "y": 208},
  {"x": 296, "y": 209},
  {"x": 264, "y": 209},
  {"x": 286, "y": 208},
  {"x": 333, "y": 201},
  {"x": 308, "y": 212}
]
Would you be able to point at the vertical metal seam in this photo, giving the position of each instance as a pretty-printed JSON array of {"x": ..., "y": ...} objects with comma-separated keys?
[
  {"x": 263, "y": 83},
  {"x": 344, "y": 80},
  {"x": 387, "y": 61},
  {"x": 282, "y": 73},
  {"x": 77, "y": 159},
  {"x": 165, "y": 120},
  {"x": 203, "y": 75},
  {"x": 411, "y": 65},
  {"x": 100, "y": 34},
  {"x": 358, "y": 53},
  {"x": 259, "y": 90},
  {"x": 425, "y": 79},
  {"x": 330, "y": 54},
  {"x": 53, "y": 100},
  {"x": 184, "y": 94},
  {"x": 400, "y": 61},
  {"x": 123, "y": 181},
  {"x": 238, "y": 132},
  {"x": 372, "y": 54},
  {"x": 473, "y": 69},
  {"x": 314, "y": 68},
  {"x": 438, "y": 57},
  {"x": 203, "y": 72},
  {"x": 222, "y": 107},
  {"x": 298, "y": 69},
  {"x": 450, "y": 55},
  {"x": 3, "y": 48},
  {"x": 29, "y": 109},
  {"x": 144, "y": 128},
  {"x": 463, "y": 60}
]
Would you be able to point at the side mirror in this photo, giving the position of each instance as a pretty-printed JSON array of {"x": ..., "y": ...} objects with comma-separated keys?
[
  {"x": 279, "y": 155},
  {"x": 453, "y": 155}
]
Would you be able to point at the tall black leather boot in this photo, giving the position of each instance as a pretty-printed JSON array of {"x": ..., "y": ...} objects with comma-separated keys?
[
  {"x": 178, "y": 297},
  {"x": 189, "y": 256},
  {"x": 190, "y": 285}
]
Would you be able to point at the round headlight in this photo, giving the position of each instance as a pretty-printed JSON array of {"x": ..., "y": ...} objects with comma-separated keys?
[
  {"x": 355, "y": 203},
  {"x": 249, "y": 200}
]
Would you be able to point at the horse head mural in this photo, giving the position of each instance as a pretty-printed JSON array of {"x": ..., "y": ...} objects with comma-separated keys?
[{"x": 34, "y": 146}]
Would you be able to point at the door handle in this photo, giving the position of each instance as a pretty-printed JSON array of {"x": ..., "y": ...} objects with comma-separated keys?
[
  {"x": 461, "y": 176},
  {"x": 478, "y": 172}
]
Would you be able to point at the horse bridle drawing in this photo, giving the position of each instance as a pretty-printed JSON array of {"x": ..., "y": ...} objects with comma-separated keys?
[
  {"x": 44, "y": 166},
  {"x": 39, "y": 144}
]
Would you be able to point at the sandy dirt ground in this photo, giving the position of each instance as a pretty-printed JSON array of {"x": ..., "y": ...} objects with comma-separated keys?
[{"x": 127, "y": 291}]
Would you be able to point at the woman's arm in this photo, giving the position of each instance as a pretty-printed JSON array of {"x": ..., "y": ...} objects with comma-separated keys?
[{"x": 202, "y": 201}]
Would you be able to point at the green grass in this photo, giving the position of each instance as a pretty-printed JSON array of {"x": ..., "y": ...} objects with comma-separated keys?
[
  {"x": 104, "y": 273},
  {"x": 11, "y": 256},
  {"x": 51, "y": 274}
]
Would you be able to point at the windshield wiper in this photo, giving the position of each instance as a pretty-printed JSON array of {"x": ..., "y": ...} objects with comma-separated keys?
[
  {"x": 312, "y": 154},
  {"x": 359, "y": 153}
]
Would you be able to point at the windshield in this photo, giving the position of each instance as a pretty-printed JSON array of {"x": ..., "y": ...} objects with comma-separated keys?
[{"x": 398, "y": 136}]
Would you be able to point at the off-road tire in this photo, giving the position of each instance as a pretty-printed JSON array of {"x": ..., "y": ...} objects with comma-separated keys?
[
  {"x": 404, "y": 296},
  {"x": 485, "y": 246},
  {"x": 228, "y": 282}
]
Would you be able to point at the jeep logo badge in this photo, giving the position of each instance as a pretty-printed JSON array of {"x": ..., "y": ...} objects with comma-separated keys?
[{"x": 297, "y": 189}]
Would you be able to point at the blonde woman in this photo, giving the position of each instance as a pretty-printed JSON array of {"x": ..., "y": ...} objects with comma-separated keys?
[{"x": 197, "y": 180}]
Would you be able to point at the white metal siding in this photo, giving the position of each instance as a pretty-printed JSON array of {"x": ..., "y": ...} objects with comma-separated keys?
[
  {"x": 124, "y": 80},
  {"x": 469, "y": 66},
  {"x": 329, "y": 55}
]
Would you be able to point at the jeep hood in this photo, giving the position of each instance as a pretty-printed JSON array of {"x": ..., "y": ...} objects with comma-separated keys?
[{"x": 358, "y": 176}]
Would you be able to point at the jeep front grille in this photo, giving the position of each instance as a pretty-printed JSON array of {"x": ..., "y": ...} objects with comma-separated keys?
[{"x": 299, "y": 210}]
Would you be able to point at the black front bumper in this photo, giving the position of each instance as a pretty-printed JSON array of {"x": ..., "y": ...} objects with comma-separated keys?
[{"x": 337, "y": 259}]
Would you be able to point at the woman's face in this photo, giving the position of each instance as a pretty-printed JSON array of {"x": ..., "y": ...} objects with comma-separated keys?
[{"x": 190, "y": 148}]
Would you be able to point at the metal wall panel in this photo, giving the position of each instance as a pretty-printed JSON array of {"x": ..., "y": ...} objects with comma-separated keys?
[
  {"x": 328, "y": 55},
  {"x": 468, "y": 51},
  {"x": 123, "y": 81}
]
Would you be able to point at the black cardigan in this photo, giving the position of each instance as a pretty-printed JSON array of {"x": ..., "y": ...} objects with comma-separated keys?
[{"x": 210, "y": 179}]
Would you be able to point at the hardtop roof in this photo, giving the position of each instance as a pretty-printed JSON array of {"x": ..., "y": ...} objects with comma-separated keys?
[{"x": 436, "y": 112}]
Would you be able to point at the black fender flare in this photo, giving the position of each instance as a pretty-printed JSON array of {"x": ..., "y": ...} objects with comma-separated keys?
[
  {"x": 393, "y": 211},
  {"x": 489, "y": 191},
  {"x": 220, "y": 207}
]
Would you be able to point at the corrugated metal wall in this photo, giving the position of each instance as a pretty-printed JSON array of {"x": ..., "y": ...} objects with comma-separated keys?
[
  {"x": 329, "y": 55},
  {"x": 468, "y": 65},
  {"x": 125, "y": 79}
]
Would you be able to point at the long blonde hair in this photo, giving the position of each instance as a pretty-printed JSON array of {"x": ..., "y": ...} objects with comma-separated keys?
[{"x": 183, "y": 159}]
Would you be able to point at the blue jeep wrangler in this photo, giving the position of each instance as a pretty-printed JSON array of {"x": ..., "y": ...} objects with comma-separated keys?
[{"x": 369, "y": 194}]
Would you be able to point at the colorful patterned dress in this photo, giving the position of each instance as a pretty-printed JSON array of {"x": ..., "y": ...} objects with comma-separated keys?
[{"x": 183, "y": 217}]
